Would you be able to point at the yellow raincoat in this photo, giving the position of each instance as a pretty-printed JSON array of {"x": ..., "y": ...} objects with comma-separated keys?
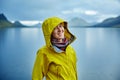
[{"x": 51, "y": 64}]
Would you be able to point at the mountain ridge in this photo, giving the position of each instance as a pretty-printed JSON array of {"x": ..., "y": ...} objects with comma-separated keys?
[
  {"x": 109, "y": 22},
  {"x": 75, "y": 22},
  {"x": 4, "y": 22}
]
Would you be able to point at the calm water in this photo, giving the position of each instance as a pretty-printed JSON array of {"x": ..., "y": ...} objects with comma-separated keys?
[{"x": 98, "y": 52}]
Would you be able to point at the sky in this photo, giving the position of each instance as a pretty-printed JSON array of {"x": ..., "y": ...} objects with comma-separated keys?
[{"x": 39, "y": 10}]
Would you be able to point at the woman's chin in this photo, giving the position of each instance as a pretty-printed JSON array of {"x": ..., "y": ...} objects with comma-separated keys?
[{"x": 61, "y": 37}]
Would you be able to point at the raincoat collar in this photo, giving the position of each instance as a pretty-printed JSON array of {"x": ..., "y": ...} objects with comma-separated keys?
[{"x": 57, "y": 49}]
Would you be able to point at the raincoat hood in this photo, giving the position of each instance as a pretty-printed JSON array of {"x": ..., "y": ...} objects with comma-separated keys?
[{"x": 48, "y": 27}]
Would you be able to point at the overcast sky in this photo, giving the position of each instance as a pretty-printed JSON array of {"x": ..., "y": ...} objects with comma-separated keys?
[{"x": 89, "y": 10}]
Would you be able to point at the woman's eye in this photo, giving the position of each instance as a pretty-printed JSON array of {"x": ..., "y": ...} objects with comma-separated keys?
[{"x": 61, "y": 26}]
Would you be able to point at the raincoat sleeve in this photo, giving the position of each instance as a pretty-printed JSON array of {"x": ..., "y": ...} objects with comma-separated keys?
[{"x": 40, "y": 66}]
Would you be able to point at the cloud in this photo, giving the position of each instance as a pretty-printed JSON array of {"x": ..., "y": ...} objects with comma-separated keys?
[
  {"x": 41, "y": 9},
  {"x": 80, "y": 11},
  {"x": 66, "y": 12},
  {"x": 91, "y": 12},
  {"x": 30, "y": 23}
]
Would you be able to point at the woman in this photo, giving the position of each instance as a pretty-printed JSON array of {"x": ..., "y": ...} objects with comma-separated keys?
[{"x": 57, "y": 59}]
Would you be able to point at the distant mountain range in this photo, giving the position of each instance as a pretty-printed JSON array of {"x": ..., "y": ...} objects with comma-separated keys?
[
  {"x": 4, "y": 22},
  {"x": 74, "y": 22},
  {"x": 78, "y": 22},
  {"x": 37, "y": 25},
  {"x": 18, "y": 24},
  {"x": 110, "y": 22}
]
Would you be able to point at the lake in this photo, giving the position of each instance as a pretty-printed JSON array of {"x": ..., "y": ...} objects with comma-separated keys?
[{"x": 98, "y": 52}]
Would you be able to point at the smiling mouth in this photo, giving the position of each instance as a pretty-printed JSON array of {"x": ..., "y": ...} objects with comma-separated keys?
[{"x": 61, "y": 33}]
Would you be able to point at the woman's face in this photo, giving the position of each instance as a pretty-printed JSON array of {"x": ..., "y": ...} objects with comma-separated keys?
[{"x": 58, "y": 32}]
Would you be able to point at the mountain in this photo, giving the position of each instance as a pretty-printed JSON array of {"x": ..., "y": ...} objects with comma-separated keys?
[
  {"x": 18, "y": 24},
  {"x": 110, "y": 22},
  {"x": 4, "y": 21},
  {"x": 78, "y": 22},
  {"x": 2, "y": 17},
  {"x": 37, "y": 25}
]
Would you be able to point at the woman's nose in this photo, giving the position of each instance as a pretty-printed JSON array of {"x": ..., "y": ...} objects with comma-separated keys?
[{"x": 59, "y": 28}]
